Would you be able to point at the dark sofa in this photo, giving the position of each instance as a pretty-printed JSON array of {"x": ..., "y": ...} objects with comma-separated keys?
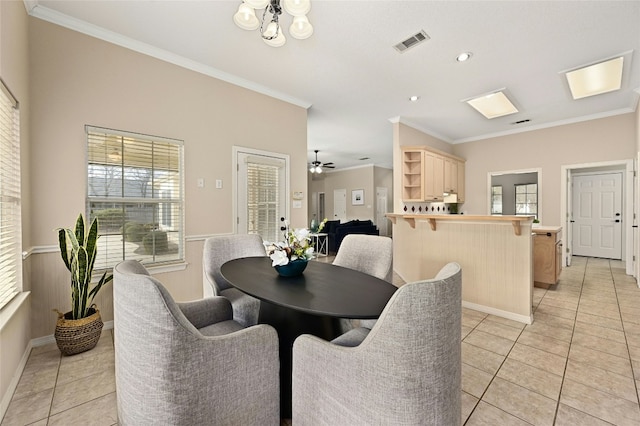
[{"x": 337, "y": 231}]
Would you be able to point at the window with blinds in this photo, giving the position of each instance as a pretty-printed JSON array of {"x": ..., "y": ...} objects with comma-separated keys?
[
  {"x": 263, "y": 200},
  {"x": 10, "y": 221},
  {"x": 135, "y": 189}
]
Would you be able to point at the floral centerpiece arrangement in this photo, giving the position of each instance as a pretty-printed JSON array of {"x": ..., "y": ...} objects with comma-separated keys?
[{"x": 296, "y": 247}]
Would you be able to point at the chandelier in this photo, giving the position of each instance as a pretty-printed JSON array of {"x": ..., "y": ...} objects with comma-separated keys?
[{"x": 272, "y": 34}]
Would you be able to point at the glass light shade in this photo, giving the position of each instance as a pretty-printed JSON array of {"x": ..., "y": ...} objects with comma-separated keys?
[
  {"x": 271, "y": 30},
  {"x": 245, "y": 18},
  {"x": 257, "y": 4},
  {"x": 297, "y": 7},
  {"x": 301, "y": 28},
  {"x": 318, "y": 169}
]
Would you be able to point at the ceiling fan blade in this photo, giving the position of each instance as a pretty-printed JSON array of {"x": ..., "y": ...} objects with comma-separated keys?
[
  {"x": 330, "y": 163},
  {"x": 328, "y": 166}
]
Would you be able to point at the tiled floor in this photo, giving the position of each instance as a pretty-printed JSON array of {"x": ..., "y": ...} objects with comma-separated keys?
[{"x": 578, "y": 364}]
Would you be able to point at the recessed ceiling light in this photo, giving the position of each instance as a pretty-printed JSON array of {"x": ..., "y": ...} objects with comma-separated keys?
[
  {"x": 596, "y": 79},
  {"x": 414, "y": 98},
  {"x": 492, "y": 105},
  {"x": 464, "y": 56}
]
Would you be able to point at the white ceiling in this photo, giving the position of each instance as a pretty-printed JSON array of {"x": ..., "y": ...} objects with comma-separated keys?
[{"x": 354, "y": 82}]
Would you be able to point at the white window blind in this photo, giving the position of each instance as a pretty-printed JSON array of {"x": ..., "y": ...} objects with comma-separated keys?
[
  {"x": 135, "y": 189},
  {"x": 263, "y": 200},
  {"x": 10, "y": 221}
]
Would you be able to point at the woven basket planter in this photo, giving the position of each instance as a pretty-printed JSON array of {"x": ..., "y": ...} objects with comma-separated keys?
[{"x": 76, "y": 336}]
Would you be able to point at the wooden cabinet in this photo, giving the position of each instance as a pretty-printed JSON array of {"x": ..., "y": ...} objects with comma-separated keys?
[
  {"x": 412, "y": 175},
  {"x": 427, "y": 175},
  {"x": 460, "y": 181},
  {"x": 433, "y": 177},
  {"x": 547, "y": 256}
]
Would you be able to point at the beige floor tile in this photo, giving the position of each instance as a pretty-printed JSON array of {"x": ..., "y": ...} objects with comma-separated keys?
[
  {"x": 481, "y": 358},
  {"x": 490, "y": 342},
  {"x": 545, "y": 343},
  {"x": 600, "y": 343},
  {"x": 596, "y": 330},
  {"x": 488, "y": 415},
  {"x": 553, "y": 310},
  {"x": 50, "y": 347},
  {"x": 504, "y": 321},
  {"x": 547, "y": 301},
  {"x": 601, "y": 360},
  {"x": 35, "y": 381},
  {"x": 75, "y": 393},
  {"x": 474, "y": 380},
  {"x": 569, "y": 416},
  {"x": 554, "y": 321},
  {"x": 87, "y": 364},
  {"x": 102, "y": 411},
  {"x": 538, "y": 358},
  {"x": 501, "y": 330},
  {"x": 606, "y": 381},
  {"x": 464, "y": 331},
  {"x": 468, "y": 403},
  {"x": 539, "y": 327},
  {"x": 28, "y": 409},
  {"x": 521, "y": 402},
  {"x": 600, "y": 404},
  {"x": 534, "y": 379},
  {"x": 614, "y": 324}
]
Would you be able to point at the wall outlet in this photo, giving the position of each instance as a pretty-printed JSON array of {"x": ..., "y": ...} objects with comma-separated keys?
[
  {"x": 200, "y": 182},
  {"x": 218, "y": 183}
]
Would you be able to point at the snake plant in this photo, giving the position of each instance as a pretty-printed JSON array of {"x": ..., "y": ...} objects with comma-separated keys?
[{"x": 79, "y": 256}]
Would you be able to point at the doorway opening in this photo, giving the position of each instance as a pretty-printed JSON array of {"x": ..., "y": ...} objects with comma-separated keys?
[{"x": 586, "y": 176}]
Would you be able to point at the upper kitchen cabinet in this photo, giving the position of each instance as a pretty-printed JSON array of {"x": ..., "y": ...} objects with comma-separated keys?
[
  {"x": 412, "y": 175},
  {"x": 429, "y": 174}
]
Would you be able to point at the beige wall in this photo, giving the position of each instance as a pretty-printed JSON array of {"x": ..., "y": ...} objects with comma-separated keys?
[
  {"x": 78, "y": 80},
  {"x": 606, "y": 139},
  {"x": 15, "y": 331},
  {"x": 350, "y": 179}
]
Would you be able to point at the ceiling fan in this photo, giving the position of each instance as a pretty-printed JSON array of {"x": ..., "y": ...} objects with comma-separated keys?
[{"x": 316, "y": 166}]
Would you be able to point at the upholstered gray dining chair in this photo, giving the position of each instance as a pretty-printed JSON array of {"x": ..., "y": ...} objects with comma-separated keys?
[
  {"x": 406, "y": 370},
  {"x": 370, "y": 254},
  {"x": 221, "y": 249},
  {"x": 189, "y": 363}
]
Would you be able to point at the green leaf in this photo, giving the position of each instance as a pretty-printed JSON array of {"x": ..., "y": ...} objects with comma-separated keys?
[
  {"x": 62, "y": 241},
  {"x": 80, "y": 229}
]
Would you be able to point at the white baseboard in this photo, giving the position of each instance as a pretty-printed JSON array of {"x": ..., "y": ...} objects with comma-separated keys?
[
  {"x": 6, "y": 399},
  {"x": 498, "y": 312}
]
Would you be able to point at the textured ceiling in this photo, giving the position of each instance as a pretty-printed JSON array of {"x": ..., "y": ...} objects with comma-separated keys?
[{"x": 354, "y": 82}]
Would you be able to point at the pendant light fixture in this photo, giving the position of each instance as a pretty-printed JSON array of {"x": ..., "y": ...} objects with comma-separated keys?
[{"x": 270, "y": 29}]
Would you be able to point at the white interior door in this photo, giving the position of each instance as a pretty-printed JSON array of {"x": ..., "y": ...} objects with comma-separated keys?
[
  {"x": 597, "y": 215},
  {"x": 568, "y": 226},
  {"x": 381, "y": 209},
  {"x": 340, "y": 205}
]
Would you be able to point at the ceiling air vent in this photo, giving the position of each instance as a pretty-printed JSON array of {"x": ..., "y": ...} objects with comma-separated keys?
[
  {"x": 412, "y": 41},
  {"x": 521, "y": 121}
]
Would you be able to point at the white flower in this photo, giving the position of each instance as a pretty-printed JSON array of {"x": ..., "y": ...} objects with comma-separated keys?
[
  {"x": 301, "y": 234},
  {"x": 279, "y": 258},
  {"x": 308, "y": 253}
]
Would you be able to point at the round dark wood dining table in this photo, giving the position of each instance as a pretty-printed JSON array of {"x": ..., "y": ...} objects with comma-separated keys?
[{"x": 312, "y": 303}]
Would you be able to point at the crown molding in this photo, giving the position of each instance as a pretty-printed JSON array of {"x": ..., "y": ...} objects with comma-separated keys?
[
  {"x": 46, "y": 14},
  {"x": 546, "y": 125}
]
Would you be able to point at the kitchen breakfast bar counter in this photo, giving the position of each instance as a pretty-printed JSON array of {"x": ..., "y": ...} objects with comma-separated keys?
[{"x": 495, "y": 252}]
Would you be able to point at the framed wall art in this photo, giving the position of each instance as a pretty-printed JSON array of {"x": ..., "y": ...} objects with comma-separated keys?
[{"x": 357, "y": 197}]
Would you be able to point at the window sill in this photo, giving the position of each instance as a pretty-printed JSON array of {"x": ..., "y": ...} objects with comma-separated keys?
[
  {"x": 12, "y": 307},
  {"x": 161, "y": 269}
]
